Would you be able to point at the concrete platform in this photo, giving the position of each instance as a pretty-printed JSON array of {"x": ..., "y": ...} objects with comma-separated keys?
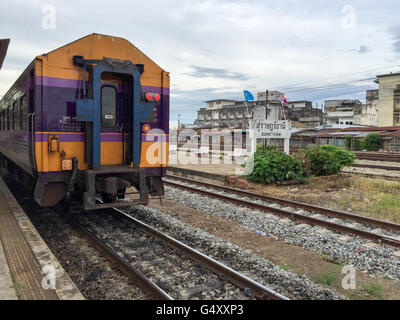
[
  {"x": 25, "y": 260},
  {"x": 7, "y": 291},
  {"x": 211, "y": 168}
]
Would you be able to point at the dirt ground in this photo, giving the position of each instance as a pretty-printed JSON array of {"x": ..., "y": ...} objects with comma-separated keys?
[
  {"x": 377, "y": 198},
  {"x": 288, "y": 257}
]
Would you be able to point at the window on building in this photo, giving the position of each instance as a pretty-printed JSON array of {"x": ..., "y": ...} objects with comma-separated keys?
[
  {"x": 396, "y": 117},
  {"x": 15, "y": 122},
  {"x": 23, "y": 112},
  {"x": 108, "y": 107}
]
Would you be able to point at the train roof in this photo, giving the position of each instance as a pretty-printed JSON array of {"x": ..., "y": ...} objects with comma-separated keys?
[
  {"x": 92, "y": 46},
  {"x": 116, "y": 47}
]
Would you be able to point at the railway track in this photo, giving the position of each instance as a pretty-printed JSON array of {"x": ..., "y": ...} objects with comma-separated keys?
[
  {"x": 392, "y": 157},
  {"x": 163, "y": 267},
  {"x": 376, "y": 230},
  {"x": 373, "y": 166}
]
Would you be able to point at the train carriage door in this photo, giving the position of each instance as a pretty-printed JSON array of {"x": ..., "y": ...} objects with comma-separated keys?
[
  {"x": 112, "y": 120},
  {"x": 115, "y": 98}
]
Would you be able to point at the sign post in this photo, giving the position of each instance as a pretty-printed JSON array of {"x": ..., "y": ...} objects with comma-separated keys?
[{"x": 264, "y": 129}]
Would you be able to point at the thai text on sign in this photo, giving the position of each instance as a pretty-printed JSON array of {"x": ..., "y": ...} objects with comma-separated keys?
[{"x": 279, "y": 129}]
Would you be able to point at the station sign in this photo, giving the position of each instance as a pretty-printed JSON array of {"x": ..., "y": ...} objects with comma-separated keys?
[{"x": 279, "y": 129}]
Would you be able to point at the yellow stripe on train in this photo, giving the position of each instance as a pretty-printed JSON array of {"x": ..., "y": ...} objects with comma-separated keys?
[{"x": 153, "y": 154}]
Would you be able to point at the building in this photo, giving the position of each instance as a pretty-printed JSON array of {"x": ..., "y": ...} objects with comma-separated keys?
[
  {"x": 389, "y": 99},
  {"x": 367, "y": 115},
  {"x": 341, "y": 112},
  {"x": 236, "y": 114},
  {"x": 345, "y": 137},
  {"x": 303, "y": 112}
]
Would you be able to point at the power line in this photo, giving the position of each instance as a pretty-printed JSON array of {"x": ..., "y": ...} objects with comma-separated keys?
[{"x": 333, "y": 78}]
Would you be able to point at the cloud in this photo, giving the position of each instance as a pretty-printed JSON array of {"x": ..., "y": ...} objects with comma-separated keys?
[
  {"x": 395, "y": 31},
  {"x": 217, "y": 48},
  {"x": 363, "y": 49},
  {"x": 202, "y": 72},
  {"x": 396, "y": 46}
]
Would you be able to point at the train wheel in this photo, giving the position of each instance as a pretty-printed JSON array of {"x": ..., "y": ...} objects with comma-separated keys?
[{"x": 121, "y": 193}]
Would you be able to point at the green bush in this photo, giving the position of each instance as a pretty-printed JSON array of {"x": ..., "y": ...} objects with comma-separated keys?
[
  {"x": 354, "y": 143},
  {"x": 305, "y": 162},
  {"x": 322, "y": 162},
  {"x": 372, "y": 142},
  {"x": 344, "y": 157},
  {"x": 328, "y": 159},
  {"x": 272, "y": 165}
]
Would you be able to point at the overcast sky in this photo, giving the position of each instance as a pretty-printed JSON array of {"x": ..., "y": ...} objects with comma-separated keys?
[{"x": 313, "y": 50}]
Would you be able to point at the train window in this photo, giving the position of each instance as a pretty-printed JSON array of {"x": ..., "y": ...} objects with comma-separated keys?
[
  {"x": 108, "y": 107},
  {"x": 8, "y": 117},
  {"x": 24, "y": 112},
  {"x": 15, "y": 115}
]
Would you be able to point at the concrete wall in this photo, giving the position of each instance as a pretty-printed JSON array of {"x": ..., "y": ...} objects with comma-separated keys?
[
  {"x": 387, "y": 85},
  {"x": 368, "y": 115}
]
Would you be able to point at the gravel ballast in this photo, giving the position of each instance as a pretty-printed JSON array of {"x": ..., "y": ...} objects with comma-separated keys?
[
  {"x": 170, "y": 269},
  {"x": 377, "y": 260},
  {"x": 95, "y": 277},
  {"x": 244, "y": 261}
]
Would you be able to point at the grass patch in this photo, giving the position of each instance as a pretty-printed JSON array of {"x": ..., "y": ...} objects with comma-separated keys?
[
  {"x": 344, "y": 183},
  {"x": 377, "y": 198},
  {"x": 374, "y": 290},
  {"x": 388, "y": 202},
  {"x": 327, "y": 278},
  {"x": 284, "y": 267},
  {"x": 16, "y": 286}
]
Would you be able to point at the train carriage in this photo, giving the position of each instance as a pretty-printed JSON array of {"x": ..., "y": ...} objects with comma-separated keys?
[{"x": 90, "y": 118}]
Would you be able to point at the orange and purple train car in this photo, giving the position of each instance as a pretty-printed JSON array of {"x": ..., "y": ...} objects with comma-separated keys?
[{"x": 88, "y": 120}]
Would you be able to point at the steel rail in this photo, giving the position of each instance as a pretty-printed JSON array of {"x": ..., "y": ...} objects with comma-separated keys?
[
  {"x": 292, "y": 215},
  {"x": 381, "y": 157},
  {"x": 259, "y": 291},
  {"x": 374, "y": 166},
  {"x": 124, "y": 266},
  {"x": 295, "y": 204}
]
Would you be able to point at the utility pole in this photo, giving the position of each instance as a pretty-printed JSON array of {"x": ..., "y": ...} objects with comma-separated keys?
[{"x": 179, "y": 121}]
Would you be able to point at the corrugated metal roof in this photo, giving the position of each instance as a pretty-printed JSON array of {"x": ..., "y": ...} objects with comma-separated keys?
[{"x": 352, "y": 131}]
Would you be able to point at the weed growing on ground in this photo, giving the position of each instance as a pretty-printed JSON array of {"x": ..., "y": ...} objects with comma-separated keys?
[{"x": 374, "y": 290}]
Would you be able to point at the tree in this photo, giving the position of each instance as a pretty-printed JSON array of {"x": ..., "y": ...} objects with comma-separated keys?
[{"x": 373, "y": 142}]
